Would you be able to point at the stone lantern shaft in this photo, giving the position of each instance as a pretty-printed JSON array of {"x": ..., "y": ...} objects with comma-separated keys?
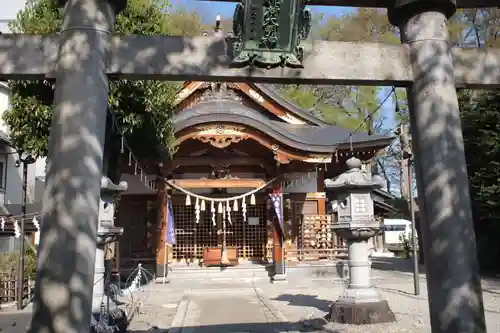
[{"x": 361, "y": 303}]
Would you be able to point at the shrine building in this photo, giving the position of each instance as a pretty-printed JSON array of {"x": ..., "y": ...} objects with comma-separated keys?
[{"x": 239, "y": 142}]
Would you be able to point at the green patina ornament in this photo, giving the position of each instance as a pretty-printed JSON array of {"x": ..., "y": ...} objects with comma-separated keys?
[{"x": 268, "y": 33}]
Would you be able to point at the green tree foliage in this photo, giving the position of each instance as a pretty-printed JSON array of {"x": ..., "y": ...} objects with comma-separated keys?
[
  {"x": 481, "y": 130},
  {"x": 142, "y": 108},
  {"x": 364, "y": 25},
  {"x": 346, "y": 106}
]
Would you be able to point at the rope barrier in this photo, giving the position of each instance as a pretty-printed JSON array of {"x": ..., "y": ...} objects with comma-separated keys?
[{"x": 237, "y": 197}]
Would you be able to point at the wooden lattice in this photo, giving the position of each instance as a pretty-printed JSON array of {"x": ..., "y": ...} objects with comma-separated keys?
[
  {"x": 193, "y": 237},
  {"x": 316, "y": 238}
]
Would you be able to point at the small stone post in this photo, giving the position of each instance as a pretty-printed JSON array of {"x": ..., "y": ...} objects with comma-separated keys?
[{"x": 361, "y": 304}]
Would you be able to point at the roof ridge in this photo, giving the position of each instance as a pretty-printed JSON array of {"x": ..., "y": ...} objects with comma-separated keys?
[{"x": 290, "y": 106}]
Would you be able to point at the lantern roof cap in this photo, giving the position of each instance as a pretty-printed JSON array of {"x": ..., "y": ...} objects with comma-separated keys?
[
  {"x": 108, "y": 186},
  {"x": 354, "y": 177}
]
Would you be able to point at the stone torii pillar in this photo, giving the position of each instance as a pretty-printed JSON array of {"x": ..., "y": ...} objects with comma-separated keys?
[
  {"x": 65, "y": 267},
  {"x": 453, "y": 280}
]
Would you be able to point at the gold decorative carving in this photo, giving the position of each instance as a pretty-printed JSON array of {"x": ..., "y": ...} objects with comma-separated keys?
[
  {"x": 182, "y": 95},
  {"x": 281, "y": 159},
  {"x": 218, "y": 129},
  {"x": 221, "y": 141}
]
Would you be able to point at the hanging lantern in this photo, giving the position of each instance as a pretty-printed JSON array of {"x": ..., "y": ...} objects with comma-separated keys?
[
  {"x": 235, "y": 205},
  {"x": 220, "y": 209},
  {"x": 188, "y": 200},
  {"x": 202, "y": 206},
  {"x": 268, "y": 33}
]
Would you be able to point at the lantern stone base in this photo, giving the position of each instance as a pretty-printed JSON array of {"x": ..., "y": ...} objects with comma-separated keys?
[
  {"x": 279, "y": 278},
  {"x": 361, "y": 313}
]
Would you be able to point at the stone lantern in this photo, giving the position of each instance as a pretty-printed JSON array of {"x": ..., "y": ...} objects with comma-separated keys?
[
  {"x": 360, "y": 304},
  {"x": 106, "y": 233}
]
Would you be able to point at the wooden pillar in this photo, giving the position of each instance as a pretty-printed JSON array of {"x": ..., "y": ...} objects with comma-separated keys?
[
  {"x": 161, "y": 229},
  {"x": 278, "y": 243},
  {"x": 321, "y": 188}
]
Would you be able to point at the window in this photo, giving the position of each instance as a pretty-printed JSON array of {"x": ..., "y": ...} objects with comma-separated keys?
[
  {"x": 394, "y": 227},
  {"x": 360, "y": 205},
  {"x": 2, "y": 175},
  {"x": 7, "y": 244}
]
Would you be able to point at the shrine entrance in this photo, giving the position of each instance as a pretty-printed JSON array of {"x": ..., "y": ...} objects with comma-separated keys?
[
  {"x": 241, "y": 142},
  {"x": 86, "y": 50},
  {"x": 247, "y": 238}
]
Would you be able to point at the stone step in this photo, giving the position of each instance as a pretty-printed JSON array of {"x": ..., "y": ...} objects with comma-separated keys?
[
  {"x": 334, "y": 270},
  {"x": 219, "y": 274}
]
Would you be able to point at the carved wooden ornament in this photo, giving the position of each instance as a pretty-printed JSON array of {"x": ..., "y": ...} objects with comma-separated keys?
[
  {"x": 221, "y": 136},
  {"x": 221, "y": 141}
]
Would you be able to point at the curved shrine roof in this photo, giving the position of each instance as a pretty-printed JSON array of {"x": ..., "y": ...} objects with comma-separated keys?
[
  {"x": 301, "y": 113},
  {"x": 322, "y": 138}
]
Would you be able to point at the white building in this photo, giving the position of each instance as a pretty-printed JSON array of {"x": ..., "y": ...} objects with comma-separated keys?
[{"x": 11, "y": 175}]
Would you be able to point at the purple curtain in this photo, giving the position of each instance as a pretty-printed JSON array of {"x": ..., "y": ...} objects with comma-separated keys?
[
  {"x": 276, "y": 199},
  {"x": 170, "y": 239}
]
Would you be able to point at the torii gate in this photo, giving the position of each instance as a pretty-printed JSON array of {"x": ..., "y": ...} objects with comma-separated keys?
[{"x": 86, "y": 54}]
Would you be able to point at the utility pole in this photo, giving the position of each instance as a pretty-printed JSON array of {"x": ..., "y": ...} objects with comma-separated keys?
[
  {"x": 24, "y": 160},
  {"x": 405, "y": 154},
  {"x": 407, "y": 193}
]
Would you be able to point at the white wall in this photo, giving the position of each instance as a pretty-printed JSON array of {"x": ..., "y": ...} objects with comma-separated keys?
[
  {"x": 4, "y": 104},
  {"x": 301, "y": 183}
]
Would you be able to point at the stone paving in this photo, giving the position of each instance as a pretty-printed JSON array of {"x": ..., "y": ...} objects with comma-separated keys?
[
  {"x": 14, "y": 321},
  {"x": 300, "y": 306},
  {"x": 297, "y": 306},
  {"x": 223, "y": 309}
]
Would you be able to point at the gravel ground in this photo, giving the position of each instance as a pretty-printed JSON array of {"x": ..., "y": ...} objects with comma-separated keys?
[
  {"x": 304, "y": 301},
  {"x": 309, "y": 302}
]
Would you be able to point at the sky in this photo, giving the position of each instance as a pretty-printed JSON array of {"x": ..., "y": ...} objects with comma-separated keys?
[
  {"x": 208, "y": 10},
  {"x": 225, "y": 9}
]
